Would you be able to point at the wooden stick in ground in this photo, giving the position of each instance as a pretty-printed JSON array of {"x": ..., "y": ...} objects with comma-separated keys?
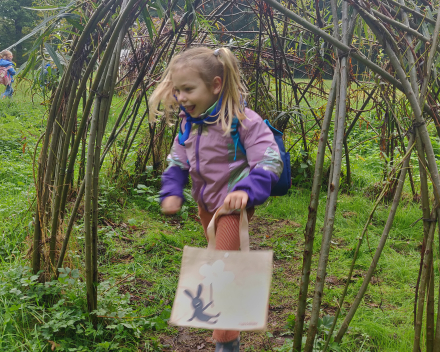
[
  {"x": 426, "y": 270},
  {"x": 59, "y": 183},
  {"x": 309, "y": 234},
  {"x": 430, "y": 328},
  {"x": 99, "y": 85},
  {"x": 430, "y": 305},
  {"x": 80, "y": 135},
  {"x": 81, "y": 132},
  {"x": 436, "y": 344},
  {"x": 334, "y": 189},
  {"x": 91, "y": 288}
]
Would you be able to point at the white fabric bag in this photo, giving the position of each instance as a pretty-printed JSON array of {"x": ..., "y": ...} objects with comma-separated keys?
[{"x": 226, "y": 290}]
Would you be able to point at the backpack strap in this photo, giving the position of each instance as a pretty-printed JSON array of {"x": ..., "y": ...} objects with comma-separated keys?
[
  {"x": 7, "y": 70},
  {"x": 236, "y": 137}
]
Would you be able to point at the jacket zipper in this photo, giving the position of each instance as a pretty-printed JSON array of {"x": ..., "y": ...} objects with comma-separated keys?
[{"x": 199, "y": 134}]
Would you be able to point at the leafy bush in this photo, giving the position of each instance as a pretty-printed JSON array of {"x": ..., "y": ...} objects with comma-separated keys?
[{"x": 55, "y": 313}]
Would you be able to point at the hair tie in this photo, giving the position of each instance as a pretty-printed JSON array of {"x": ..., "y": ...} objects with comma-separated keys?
[{"x": 217, "y": 52}]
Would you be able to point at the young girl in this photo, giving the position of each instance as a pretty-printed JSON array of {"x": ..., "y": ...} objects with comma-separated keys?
[
  {"x": 6, "y": 61},
  {"x": 206, "y": 85}
]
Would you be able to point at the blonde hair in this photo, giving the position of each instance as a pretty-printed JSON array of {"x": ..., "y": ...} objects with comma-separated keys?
[
  {"x": 5, "y": 53},
  {"x": 208, "y": 64}
]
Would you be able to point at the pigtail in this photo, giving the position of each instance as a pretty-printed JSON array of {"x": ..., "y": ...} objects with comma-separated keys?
[
  {"x": 163, "y": 94},
  {"x": 233, "y": 91}
]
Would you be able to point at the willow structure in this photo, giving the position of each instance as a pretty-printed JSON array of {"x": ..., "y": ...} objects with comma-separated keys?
[{"x": 384, "y": 53}]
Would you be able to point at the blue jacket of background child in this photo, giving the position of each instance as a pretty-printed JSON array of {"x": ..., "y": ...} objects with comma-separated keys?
[{"x": 6, "y": 63}]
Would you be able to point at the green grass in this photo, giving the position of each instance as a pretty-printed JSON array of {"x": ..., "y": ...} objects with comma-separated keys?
[
  {"x": 385, "y": 316},
  {"x": 21, "y": 122},
  {"x": 139, "y": 258}
]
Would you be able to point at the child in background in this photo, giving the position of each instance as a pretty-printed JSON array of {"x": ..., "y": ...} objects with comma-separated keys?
[
  {"x": 7, "y": 64},
  {"x": 206, "y": 85}
]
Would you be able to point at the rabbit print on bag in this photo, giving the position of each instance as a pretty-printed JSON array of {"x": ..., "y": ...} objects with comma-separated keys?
[{"x": 197, "y": 304}]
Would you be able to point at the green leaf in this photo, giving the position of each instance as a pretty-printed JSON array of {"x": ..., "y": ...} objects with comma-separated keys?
[
  {"x": 132, "y": 222},
  {"x": 172, "y": 22},
  {"x": 334, "y": 346},
  {"x": 162, "y": 10},
  {"x": 148, "y": 22},
  {"x": 158, "y": 7},
  {"x": 74, "y": 22},
  {"x": 24, "y": 69},
  {"x": 70, "y": 32},
  {"x": 54, "y": 57},
  {"x": 327, "y": 321},
  {"x": 43, "y": 8},
  {"x": 196, "y": 24}
]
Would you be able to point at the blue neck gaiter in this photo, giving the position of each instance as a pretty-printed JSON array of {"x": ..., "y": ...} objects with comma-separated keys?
[{"x": 210, "y": 115}]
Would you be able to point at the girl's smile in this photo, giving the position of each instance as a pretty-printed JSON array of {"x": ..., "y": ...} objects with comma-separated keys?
[{"x": 192, "y": 92}]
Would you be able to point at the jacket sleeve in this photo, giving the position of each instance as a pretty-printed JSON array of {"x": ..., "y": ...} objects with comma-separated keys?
[
  {"x": 11, "y": 71},
  {"x": 264, "y": 160},
  {"x": 175, "y": 177}
]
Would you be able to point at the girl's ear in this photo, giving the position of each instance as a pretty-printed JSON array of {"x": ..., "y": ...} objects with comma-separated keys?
[{"x": 217, "y": 85}]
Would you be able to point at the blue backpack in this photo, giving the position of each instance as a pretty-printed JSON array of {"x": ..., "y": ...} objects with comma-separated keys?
[{"x": 285, "y": 181}]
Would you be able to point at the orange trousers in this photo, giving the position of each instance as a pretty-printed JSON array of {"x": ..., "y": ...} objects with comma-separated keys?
[{"x": 227, "y": 238}]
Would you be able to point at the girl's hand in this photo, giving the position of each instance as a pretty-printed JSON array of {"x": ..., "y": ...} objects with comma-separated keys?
[
  {"x": 171, "y": 205},
  {"x": 236, "y": 200}
]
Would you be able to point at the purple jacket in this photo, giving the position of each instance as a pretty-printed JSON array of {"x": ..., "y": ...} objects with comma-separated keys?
[{"x": 208, "y": 156}]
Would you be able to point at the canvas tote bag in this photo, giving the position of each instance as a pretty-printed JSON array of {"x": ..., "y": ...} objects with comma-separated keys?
[{"x": 226, "y": 290}]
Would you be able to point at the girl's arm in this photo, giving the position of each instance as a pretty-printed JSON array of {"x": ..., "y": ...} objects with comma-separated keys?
[
  {"x": 175, "y": 176},
  {"x": 264, "y": 160},
  {"x": 11, "y": 71}
]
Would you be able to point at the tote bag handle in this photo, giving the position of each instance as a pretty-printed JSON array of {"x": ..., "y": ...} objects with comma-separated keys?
[{"x": 243, "y": 232}]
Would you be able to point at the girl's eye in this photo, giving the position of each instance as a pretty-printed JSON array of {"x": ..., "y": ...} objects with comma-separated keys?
[{"x": 188, "y": 90}]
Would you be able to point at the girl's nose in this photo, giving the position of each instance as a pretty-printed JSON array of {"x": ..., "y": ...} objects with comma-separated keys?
[{"x": 181, "y": 97}]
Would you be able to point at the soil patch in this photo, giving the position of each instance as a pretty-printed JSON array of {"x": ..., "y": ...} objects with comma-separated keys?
[
  {"x": 125, "y": 258},
  {"x": 190, "y": 340}
]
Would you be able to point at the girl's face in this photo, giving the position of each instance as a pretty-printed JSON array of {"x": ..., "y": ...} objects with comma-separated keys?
[
  {"x": 192, "y": 92},
  {"x": 9, "y": 57}
]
